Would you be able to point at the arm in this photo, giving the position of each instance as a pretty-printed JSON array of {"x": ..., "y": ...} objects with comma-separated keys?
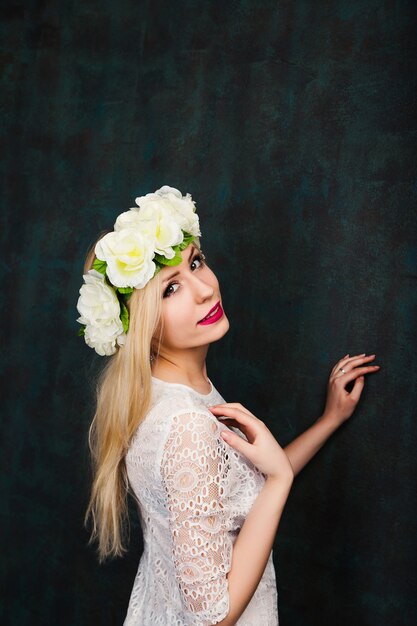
[
  {"x": 340, "y": 404},
  {"x": 253, "y": 546},
  {"x": 306, "y": 445},
  {"x": 216, "y": 578}
]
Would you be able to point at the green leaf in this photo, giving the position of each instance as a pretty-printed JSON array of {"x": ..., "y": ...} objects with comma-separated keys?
[
  {"x": 100, "y": 266},
  {"x": 186, "y": 241},
  {"x": 125, "y": 289},
  {"x": 176, "y": 260},
  {"x": 81, "y": 331},
  {"x": 161, "y": 260},
  {"x": 125, "y": 296},
  {"x": 124, "y": 316}
]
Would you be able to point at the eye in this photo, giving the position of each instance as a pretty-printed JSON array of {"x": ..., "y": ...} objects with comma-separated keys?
[{"x": 198, "y": 257}]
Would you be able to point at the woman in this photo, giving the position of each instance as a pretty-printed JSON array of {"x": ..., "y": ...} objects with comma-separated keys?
[{"x": 209, "y": 478}]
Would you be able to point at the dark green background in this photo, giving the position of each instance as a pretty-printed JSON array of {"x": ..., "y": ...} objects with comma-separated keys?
[{"x": 293, "y": 126}]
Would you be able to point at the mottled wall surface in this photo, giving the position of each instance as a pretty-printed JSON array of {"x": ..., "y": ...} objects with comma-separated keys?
[{"x": 293, "y": 126}]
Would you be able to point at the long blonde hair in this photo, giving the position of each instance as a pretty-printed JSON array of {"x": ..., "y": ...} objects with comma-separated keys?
[{"x": 123, "y": 397}]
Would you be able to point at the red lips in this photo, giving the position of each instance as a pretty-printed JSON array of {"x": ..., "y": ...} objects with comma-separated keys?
[{"x": 211, "y": 310}]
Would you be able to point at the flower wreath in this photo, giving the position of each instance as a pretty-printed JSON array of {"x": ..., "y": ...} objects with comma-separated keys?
[{"x": 145, "y": 239}]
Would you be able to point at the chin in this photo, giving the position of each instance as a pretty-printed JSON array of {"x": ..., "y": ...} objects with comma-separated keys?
[
  {"x": 220, "y": 328},
  {"x": 224, "y": 326}
]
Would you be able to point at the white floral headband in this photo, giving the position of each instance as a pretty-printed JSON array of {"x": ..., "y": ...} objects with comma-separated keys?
[{"x": 144, "y": 240}]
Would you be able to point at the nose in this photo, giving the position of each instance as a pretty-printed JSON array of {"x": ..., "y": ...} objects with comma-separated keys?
[{"x": 202, "y": 289}]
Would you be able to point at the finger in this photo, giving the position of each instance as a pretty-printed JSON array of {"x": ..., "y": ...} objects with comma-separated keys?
[
  {"x": 242, "y": 433},
  {"x": 249, "y": 422},
  {"x": 362, "y": 358},
  {"x": 357, "y": 388},
  {"x": 339, "y": 364},
  {"x": 235, "y": 405},
  {"x": 228, "y": 421},
  {"x": 353, "y": 361},
  {"x": 246, "y": 425},
  {"x": 232, "y": 408},
  {"x": 358, "y": 371},
  {"x": 220, "y": 416},
  {"x": 346, "y": 359},
  {"x": 236, "y": 442}
]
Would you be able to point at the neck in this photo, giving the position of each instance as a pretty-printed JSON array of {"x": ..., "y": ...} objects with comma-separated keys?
[{"x": 187, "y": 366}]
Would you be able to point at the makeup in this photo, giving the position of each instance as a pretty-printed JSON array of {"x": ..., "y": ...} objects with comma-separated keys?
[{"x": 214, "y": 316}]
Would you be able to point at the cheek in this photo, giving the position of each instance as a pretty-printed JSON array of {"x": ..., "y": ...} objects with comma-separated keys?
[{"x": 177, "y": 316}]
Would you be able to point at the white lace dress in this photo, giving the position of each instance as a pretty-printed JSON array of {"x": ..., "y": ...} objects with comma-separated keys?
[{"x": 193, "y": 492}]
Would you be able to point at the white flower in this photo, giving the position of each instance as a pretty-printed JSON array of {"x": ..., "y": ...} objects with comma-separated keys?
[
  {"x": 128, "y": 254},
  {"x": 104, "y": 338},
  {"x": 181, "y": 208},
  {"x": 99, "y": 311},
  {"x": 154, "y": 227},
  {"x": 134, "y": 220},
  {"x": 156, "y": 224},
  {"x": 162, "y": 228},
  {"x": 129, "y": 219}
]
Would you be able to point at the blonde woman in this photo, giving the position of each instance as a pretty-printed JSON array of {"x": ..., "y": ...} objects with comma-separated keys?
[{"x": 209, "y": 478}]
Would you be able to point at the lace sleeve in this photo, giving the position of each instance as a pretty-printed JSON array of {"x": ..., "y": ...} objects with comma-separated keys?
[{"x": 194, "y": 471}]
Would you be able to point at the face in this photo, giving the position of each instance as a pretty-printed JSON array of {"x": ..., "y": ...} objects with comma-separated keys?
[{"x": 187, "y": 298}]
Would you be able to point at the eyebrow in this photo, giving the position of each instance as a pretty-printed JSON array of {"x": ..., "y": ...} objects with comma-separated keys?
[{"x": 176, "y": 273}]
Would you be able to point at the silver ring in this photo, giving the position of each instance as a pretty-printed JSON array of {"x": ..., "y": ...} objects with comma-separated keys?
[{"x": 342, "y": 370}]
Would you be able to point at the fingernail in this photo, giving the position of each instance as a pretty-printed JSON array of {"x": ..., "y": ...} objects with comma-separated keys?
[{"x": 225, "y": 434}]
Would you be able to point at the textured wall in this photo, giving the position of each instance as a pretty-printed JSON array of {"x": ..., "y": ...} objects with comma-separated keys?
[{"x": 293, "y": 126}]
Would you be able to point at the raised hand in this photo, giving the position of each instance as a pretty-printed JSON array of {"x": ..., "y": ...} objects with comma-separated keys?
[
  {"x": 261, "y": 448},
  {"x": 340, "y": 404}
]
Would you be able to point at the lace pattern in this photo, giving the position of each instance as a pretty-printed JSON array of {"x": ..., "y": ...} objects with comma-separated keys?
[
  {"x": 193, "y": 493},
  {"x": 194, "y": 472}
]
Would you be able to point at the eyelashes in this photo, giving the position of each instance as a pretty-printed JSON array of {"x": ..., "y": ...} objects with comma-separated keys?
[{"x": 198, "y": 257}]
